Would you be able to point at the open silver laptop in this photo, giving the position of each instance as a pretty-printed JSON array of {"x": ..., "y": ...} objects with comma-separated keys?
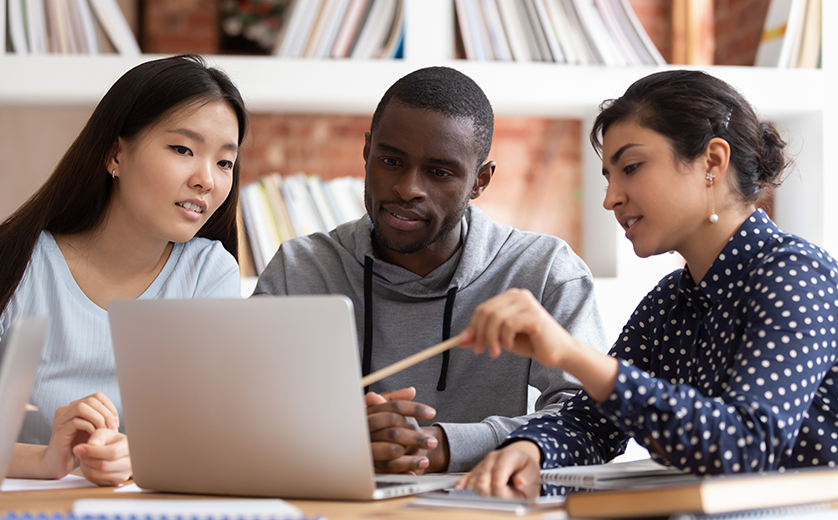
[
  {"x": 21, "y": 357},
  {"x": 256, "y": 397}
]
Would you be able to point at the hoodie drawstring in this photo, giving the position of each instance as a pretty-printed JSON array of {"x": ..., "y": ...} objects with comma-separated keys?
[
  {"x": 446, "y": 333},
  {"x": 366, "y": 360}
]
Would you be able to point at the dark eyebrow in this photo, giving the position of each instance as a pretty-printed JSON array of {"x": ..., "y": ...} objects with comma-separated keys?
[
  {"x": 399, "y": 151},
  {"x": 198, "y": 137},
  {"x": 618, "y": 153},
  {"x": 392, "y": 149}
]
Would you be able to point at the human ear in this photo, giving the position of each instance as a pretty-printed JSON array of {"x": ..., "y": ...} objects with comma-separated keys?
[
  {"x": 484, "y": 177},
  {"x": 367, "y": 138},
  {"x": 112, "y": 161},
  {"x": 717, "y": 157}
]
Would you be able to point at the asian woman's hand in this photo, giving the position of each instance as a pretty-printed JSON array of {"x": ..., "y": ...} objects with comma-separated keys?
[
  {"x": 104, "y": 459},
  {"x": 75, "y": 424}
]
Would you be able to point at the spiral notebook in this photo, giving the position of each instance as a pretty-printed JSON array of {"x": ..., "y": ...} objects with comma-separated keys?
[
  {"x": 169, "y": 509},
  {"x": 614, "y": 475}
]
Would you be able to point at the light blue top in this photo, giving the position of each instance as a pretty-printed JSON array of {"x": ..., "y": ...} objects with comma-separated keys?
[{"x": 78, "y": 358}]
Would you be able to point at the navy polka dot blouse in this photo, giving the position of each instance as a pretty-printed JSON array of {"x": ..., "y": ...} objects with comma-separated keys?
[{"x": 735, "y": 374}]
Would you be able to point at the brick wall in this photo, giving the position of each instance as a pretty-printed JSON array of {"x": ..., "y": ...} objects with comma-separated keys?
[
  {"x": 179, "y": 26},
  {"x": 738, "y": 30},
  {"x": 536, "y": 185}
]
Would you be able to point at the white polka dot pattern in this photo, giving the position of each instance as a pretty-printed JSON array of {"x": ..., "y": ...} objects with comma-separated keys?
[{"x": 735, "y": 374}]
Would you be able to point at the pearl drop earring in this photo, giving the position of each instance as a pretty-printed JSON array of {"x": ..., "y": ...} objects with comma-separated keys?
[{"x": 711, "y": 178}]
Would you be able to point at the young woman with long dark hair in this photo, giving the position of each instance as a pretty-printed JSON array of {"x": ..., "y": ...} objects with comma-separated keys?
[{"x": 142, "y": 205}]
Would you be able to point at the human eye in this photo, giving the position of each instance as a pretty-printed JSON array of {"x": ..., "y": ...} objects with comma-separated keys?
[
  {"x": 180, "y": 150},
  {"x": 438, "y": 172},
  {"x": 390, "y": 161},
  {"x": 226, "y": 165},
  {"x": 630, "y": 168}
]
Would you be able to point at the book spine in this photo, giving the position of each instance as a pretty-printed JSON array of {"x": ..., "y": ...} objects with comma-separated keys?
[
  {"x": 514, "y": 30},
  {"x": 17, "y": 27},
  {"x": 3, "y": 49},
  {"x": 465, "y": 29},
  {"x": 330, "y": 31},
  {"x": 395, "y": 34},
  {"x": 36, "y": 26},
  {"x": 348, "y": 28},
  {"x": 497, "y": 35},
  {"x": 360, "y": 27},
  {"x": 88, "y": 27},
  {"x": 116, "y": 26},
  {"x": 250, "y": 227},
  {"x": 315, "y": 188},
  {"x": 549, "y": 32}
]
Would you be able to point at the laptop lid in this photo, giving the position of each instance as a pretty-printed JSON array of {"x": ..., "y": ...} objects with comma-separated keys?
[
  {"x": 24, "y": 347},
  {"x": 258, "y": 397}
]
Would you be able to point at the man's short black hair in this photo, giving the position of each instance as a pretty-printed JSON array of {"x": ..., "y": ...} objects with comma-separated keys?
[{"x": 450, "y": 92}]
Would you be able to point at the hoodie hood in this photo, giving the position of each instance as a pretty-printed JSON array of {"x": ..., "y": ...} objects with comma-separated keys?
[
  {"x": 463, "y": 268},
  {"x": 482, "y": 241}
]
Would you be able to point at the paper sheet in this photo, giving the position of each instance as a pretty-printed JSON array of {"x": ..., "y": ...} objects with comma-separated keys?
[
  {"x": 245, "y": 509},
  {"x": 68, "y": 482},
  {"x": 130, "y": 488}
]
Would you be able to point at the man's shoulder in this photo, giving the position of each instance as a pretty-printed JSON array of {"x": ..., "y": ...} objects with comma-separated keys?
[
  {"x": 483, "y": 227},
  {"x": 316, "y": 245}
]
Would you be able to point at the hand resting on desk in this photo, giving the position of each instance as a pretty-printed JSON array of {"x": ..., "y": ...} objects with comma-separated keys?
[
  {"x": 510, "y": 472},
  {"x": 399, "y": 444},
  {"x": 84, "y": 435}
]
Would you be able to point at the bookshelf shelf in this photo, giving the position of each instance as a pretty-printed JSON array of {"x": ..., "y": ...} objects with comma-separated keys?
[
  {"x": 802, "y": 101},
  {"x": 354, "y": 87}
]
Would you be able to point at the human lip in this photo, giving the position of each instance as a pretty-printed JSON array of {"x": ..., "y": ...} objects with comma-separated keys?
[
  {"x": 627, "y": 221},
  {"x": 194, "y": 207},
  {"x": 401, "y": 218}
]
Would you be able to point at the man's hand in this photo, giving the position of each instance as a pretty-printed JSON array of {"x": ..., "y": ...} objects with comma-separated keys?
[{"x": 399, "y": 444}]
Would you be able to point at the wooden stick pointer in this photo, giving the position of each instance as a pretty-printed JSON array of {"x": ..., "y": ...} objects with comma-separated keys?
[{"x": 410, "y": 361}]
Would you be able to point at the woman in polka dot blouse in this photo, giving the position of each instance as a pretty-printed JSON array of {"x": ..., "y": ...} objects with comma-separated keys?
[{"x": 728, "y": 365}]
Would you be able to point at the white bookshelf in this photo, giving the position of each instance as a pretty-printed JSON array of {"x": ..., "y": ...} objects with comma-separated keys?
[{"x": 802, "y": 101}]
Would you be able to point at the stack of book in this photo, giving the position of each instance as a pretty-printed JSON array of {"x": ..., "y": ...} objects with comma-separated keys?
[
  {"x": 583, "y": 32},
  {"x": 791, "y": 35},
  {"x": 65, "y": 27},
  {"x": 275, "y": 209},
  {"x": 362, "y": 29}
]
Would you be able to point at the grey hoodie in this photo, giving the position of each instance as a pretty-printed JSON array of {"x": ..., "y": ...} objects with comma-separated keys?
[{"x": 478, "y": 400}]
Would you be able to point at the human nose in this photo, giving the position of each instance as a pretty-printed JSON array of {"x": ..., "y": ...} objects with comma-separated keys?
[
  {"x": 202, "y": 178},
  {"x": 614, "y": 196},
  {"x": 410, "y": 185}
]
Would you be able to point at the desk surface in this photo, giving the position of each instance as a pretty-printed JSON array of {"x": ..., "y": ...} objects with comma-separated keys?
[{"x": 61, "y": 501}]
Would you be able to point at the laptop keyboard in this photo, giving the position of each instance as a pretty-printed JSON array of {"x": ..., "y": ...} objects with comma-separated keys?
[{"x": 385, "y": 485}]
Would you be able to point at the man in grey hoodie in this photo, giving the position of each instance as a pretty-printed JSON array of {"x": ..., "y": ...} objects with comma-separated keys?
[{"x": 419, "y": 263}]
